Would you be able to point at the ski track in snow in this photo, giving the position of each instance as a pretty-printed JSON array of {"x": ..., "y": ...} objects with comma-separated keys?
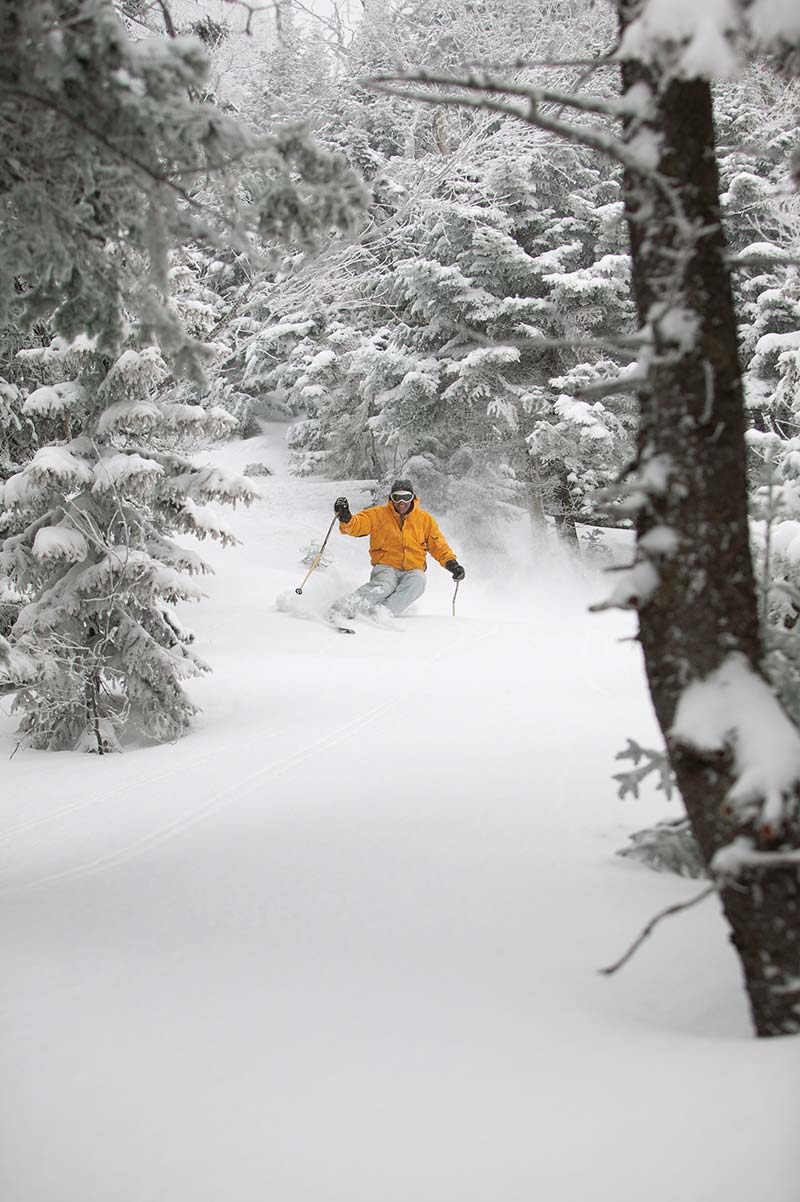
[
  {"x": 225, "y": 797},
  {"x": 340, "y": 942}
]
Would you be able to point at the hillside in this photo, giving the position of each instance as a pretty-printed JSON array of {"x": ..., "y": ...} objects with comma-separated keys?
[{"x": 340, "y": 943}]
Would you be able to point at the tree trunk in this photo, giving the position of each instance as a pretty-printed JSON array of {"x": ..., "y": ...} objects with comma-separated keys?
[
  {"x": 533, "y": 492},
  {"x": 93, "y": 711},
  {"x": 692, "y": 429},
  {"x": 564, "y": 512}
]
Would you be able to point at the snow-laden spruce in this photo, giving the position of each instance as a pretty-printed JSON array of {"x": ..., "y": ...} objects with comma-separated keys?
[
  {"x": 447, "y": 350},
  {"x": 93, "y": 566}
]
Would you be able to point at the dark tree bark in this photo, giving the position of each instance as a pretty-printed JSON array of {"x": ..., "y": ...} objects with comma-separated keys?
[
  {"x": 564, "y": 514},
  {"x": 692, "y": 428}
]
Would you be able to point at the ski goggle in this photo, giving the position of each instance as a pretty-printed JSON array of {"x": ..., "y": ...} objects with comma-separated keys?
[{"x": 402, "y": 496}]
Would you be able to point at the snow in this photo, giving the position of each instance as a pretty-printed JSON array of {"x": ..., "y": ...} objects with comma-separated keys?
[
  {"x": 341, "y": 942},
  {"x": 49, "y": 463},
  {"x": 284, "y": 330},
  {"x": 488, "y": 356},
  {"x": 644, "y": 149},
  {"x": 124, "y": 468},
  {"x": 632, "y": 588},
  {"x": 660, "y": 540},
  {"x": 637, "y": 101},
  {"x": 654, "y": 476},
  {"x": 52, "y": 400},
  {"x": 785, "y": 540},
  {"x": 184, "y": 416},
  {"x": 774, "y": 21},
  {"x": 676, "y": 324},
  {"x": 700, "y": 39},
  {"x": 128, "y": 415},
  {"x": 764, "y": 250},
  {"x": 581, "y": 413},
  {"x": 703, "y": 31},
  {"x": 321, "y": 360},
  {"x": 59, "y": 542},
  {"x": 735, "y": 708},
  {"x": 14, "y": 665},
  {"x": 778, "y": 342},
  {"x": 204, "y": 522}
]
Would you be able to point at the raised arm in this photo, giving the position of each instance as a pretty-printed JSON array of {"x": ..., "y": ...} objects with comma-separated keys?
[{"x": 357, "y": 525}]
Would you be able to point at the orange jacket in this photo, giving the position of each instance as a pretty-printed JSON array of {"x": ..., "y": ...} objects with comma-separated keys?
[{"x": 399, "y": 542}]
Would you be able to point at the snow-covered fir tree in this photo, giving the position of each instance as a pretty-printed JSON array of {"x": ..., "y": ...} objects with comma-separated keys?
[
  {"x": 130, "y": 204},
  {"x": 95, "y": 564},
  {"x": 420, "y": 349}
]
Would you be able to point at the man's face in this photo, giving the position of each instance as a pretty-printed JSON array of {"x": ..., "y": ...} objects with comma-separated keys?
[{"x": 402, "y": 502}]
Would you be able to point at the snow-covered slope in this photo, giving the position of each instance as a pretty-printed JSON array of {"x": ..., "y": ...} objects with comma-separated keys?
[{"x": 340, "y": 944}]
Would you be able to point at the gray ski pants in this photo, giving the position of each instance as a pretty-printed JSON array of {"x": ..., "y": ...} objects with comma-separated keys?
[{"x": 392, "y": 587}]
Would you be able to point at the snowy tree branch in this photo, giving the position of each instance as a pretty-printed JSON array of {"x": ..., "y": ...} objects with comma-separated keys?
[
  {"x": 483, "y": 83},
  {"x": 121, "y": 155},
  {"x": 629, "y": 345},
  {"x": 523, "y": 64},
  {"x": 651, "y": 926},
  {"x": 529, "y": 112}
]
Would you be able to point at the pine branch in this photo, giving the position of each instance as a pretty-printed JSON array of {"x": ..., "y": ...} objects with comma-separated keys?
[
  {"x": 122, "y": 156},
  {"x": 629, "y": 345},
  {"x": 737, "y": 261}
]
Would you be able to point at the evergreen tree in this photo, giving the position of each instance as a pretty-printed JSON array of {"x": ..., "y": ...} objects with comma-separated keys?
[
  {"x": 467, "y": 304},
  {"x": 692, "y": 577},
  {"x": 95, "y": 561},
  {"x": 129, "y": 204}
]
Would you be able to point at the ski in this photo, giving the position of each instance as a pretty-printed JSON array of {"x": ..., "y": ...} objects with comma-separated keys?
[{"x": 342, "y": 629}]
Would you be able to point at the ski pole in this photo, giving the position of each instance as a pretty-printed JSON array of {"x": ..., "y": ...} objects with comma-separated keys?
[
  {"x": 455, "y": 594},
  {"x": 318, "y": 555}
]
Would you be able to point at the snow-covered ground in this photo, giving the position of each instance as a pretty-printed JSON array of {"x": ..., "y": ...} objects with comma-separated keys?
[{"x": 340, "y": 944}]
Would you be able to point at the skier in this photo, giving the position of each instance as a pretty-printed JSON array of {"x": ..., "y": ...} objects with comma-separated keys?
[{"x": 401, "y": 534}]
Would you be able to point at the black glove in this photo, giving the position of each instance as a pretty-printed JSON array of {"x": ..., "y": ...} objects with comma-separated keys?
[
  {"x": 455, "y": 568},
  {"x": 341, "y": 507}
]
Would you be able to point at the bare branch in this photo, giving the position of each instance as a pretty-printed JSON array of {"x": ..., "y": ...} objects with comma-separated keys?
[
  {"x": 530, "y": 112},
  {"x": 481, "y": 81},
  {"x": 592, "y": 138},
  {"x": 523, "y": 64},
  {"x": 648, "y": 930},
  {"x": 169, "y": 24},
  {"x": 603, "y": 388}
]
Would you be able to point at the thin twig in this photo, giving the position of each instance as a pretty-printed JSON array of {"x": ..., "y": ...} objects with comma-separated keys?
[
  {"x": 648, "y": 930},
  {"x": 521, "y": 64}
]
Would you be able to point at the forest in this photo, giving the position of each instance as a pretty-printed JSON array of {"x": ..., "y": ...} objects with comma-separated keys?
[{"x": 541, "y": 258}]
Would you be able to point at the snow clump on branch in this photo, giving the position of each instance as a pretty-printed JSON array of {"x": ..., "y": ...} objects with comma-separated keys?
[
  {"x": 704, "y": 40},
  {"x": 734, "y": 709}
]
